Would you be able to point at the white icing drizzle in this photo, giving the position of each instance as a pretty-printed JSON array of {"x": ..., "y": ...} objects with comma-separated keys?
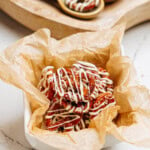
[
  {"x": 97, "y": 112},
  {"x": 100, "y": 105},
  {"x": 77, "y": 128},
  {"x": 83, "y": 69},
  {"x": 47, "y": 74},
  {"x": 63, "y": 116},
  {"x": 82, "y": 123}
]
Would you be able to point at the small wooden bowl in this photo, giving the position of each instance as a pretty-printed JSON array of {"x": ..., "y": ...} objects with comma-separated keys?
[{"x": 87, "y": 15}]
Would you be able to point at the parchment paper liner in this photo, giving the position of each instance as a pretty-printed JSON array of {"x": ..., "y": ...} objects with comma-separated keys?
[{"x": 21, "y": 65}]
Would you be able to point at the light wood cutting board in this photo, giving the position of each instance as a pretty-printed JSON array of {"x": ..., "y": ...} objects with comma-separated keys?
[{"x": 36, "y": 14}]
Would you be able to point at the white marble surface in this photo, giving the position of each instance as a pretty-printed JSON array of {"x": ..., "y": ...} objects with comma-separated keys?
[{"x": 136, "y": 43}]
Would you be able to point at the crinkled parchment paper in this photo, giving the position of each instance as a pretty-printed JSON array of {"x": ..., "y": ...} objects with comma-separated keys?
[{"x": 21, "y": 65}]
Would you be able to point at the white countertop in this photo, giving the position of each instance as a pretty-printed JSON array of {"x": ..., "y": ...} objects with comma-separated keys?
[{"x": 136, "y": 44}]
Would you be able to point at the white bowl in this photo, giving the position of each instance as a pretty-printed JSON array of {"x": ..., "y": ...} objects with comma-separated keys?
[{"x": 39, "y": 145}]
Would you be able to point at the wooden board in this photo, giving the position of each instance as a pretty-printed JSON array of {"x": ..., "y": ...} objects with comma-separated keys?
[{"x": 36, "y": 14}]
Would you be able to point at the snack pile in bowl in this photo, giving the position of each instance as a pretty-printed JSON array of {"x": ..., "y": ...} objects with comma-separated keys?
[
  {"x": 77, "y": 94},
  {"x": 84, "y": 5},
  {"x": 87, "y": 5}
]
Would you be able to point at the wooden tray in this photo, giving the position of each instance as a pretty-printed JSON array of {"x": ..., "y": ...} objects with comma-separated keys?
[{"x": 36, "y": 14}]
